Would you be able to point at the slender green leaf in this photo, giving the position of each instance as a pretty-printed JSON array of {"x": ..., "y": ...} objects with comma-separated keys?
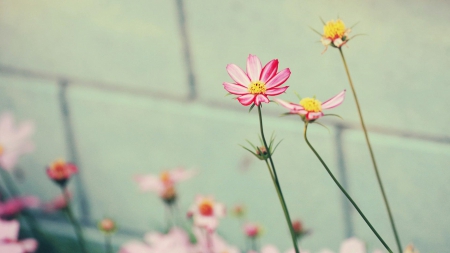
[
  {"x": 251, "y": 144},
  {"x": 314, "y": 30},
  {"x": 298, "y": 96},
  {"x": 249, "y": 150},
  {"x": 323, "y": 126},
  {"x": 331, "y": 114},
  {"x": 276, "y": 146},
  {"x": 351, "y": 27},
  {"x": 251, "y": 107},
  {"x": 323, "y": 22}
]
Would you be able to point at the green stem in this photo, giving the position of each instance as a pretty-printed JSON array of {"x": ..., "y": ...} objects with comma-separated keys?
[
  {"x": 75, "y": 224},
  {"x": 277, "y": 184},
  {"x": 372, "y": 156},
  {"x": 108, "y": 245},
  {"x": 344, "y": 191}
]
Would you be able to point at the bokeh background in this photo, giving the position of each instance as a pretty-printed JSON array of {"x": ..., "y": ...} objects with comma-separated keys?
[{"x": 132, "y": 87}]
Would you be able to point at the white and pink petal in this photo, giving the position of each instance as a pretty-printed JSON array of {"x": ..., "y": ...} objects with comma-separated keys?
[
  {"x": 334, "y": 101},
  {"x": 313, "y": 115},
  {"x": 246, "y": 99},
  {"x": 338, "y": 42},
  {"x": 352, "y": 245},
  {"x": 269, "y": 71},
  {"x": 325, "y": 41},
  {"x": 288, "y": 105},
  {"x": 149, "y": 183},
  {"x": 278, "y": 79},
  {"x": 29, "y": 245},
  {"x": 253, "y": 67},
  {"x": 260, "y": 98},
  {"x": 276, "y": 91},
  {"x": 181, "y": 174},
  {"x": 238, "y": 75},
  {"x": 235, "y": 89},
  {"x": 9, "y": 230}
]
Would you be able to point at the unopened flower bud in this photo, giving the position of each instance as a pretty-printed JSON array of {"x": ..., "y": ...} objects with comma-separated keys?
[
  {"x": 107, "y": 226},
  {"x": 238, "y": 211},
  {"x": 297, "y": 226}
]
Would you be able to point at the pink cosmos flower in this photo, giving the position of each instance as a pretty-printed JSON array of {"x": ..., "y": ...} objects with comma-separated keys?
[
  {"x": 206, "y": 212},
  {"x": 14, "y": 141},
  {"x": 209, "y": 241},
  {"x": 15, "y": 205},
  {"x": 311, "y": 108},
  {"x": 164, "y": 184},
  {"x": 335, "y": 34},
  {"x": 9, "y": 231},
  {"x": 61, "y": 171},
  {"x": 254, "y": 86},
  {"x": 351, "y": 245},
  {"x": 176, "y": 241},
  {"x": 252, "y": 229},
  {"x": 58, "y": 203},
  {"x": 272, "y": 249}
]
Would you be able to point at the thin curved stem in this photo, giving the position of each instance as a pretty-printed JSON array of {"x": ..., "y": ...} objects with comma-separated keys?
[
  {"x": 372, "y": 155},
  {"x": 343, "y": 190},
  {"x": 108, "y": 245},
  {"x": 277, "y": 184},
  {"x": 74, "y": 222}
]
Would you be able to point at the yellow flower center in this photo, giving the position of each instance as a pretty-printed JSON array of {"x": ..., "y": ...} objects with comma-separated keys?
[
  {"x": 311, "y": 104},
  {"x": 59, "y": 169},
  {"x": 206, "y": 208},
  {"x": 334, "y": 29},
  {"x": 164, "y": 177},
  {"x": 2, "y": 150},
  {"x": 257, "y": 87}
]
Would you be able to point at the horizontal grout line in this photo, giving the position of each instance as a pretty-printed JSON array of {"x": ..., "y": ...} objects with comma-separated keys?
[{"x": 119, "y": 88}]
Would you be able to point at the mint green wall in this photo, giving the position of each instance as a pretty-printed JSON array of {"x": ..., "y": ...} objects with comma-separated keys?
[{"x": 127, "y": 96}]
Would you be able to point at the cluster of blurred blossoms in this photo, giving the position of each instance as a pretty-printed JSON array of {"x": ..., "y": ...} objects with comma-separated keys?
[
  {"x": 198, "y": 232},
  {"x": 15, "y": 141}
]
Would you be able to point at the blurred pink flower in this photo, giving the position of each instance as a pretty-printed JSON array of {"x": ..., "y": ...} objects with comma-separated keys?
[
  {"x": 176, "y": 241},
  {"x": 351, "y": 245},
  {"x": 14, "y": 141},
  {"x": 9, "y": 231},
  {"x": 15, "y": 205},
  {"x": 411, "y": 249},
  {"x": 164, "y": 184},
  {"x": 258, "y": 83},
  {"x": 252, "y": 229},
  {"x": 206, "y": 212},
  {"x": 209, "y": 241},
  {"x": 272, "y": 249},
  {"x": 311, "y": 108},
  {"x": 57, "y": 203},
  {"x": 61, "y": 171}
]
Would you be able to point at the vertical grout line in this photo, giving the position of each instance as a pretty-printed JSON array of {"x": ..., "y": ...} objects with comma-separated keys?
[
  {"x": 343, "y": 179},
  {"x": 73, "y": 152},
  {"x": 186, "y": 50}
]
